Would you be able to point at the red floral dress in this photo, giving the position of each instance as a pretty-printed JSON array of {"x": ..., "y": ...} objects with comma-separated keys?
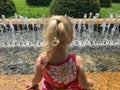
[{"x": 62, "y": 76}]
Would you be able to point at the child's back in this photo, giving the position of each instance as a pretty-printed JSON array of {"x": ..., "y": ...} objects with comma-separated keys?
[
  {"x": 55, "y": 67},
  {"x": 62, "y": 75}
]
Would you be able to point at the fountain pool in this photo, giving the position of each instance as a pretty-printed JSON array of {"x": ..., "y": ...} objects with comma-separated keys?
[{"x": 96, "y": 40}]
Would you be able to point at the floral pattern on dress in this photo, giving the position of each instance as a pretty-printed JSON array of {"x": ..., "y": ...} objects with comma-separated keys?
[{"x": 64, "y": 73}]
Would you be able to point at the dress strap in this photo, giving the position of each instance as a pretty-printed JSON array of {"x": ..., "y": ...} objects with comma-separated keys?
[
  {"x": 43, "y": 62},
  {"x": 73, "y": 56}
]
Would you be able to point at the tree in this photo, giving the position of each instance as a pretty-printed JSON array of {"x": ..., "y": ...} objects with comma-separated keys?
[
  {"x": 74, "y": 8},
  {"x": 7, "y": 7}
]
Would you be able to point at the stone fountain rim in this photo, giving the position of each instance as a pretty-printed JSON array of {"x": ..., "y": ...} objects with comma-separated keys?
[{"x": 87, "y": 21}]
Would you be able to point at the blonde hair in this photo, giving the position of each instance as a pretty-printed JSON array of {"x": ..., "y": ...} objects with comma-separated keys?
[{"x": 58, "y": 31}]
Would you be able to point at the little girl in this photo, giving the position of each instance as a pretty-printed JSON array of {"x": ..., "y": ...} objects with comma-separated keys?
[{"x": 57, "y": 69}]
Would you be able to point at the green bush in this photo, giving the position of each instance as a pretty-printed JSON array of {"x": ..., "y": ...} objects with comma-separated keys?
[
  {"x": 7, "y": 7},
  {"x": 116, "y": 1},
  {"x": 105, "y": 3},
  {"x": 74, "y": 8},
  {"x": 38, "y": 2}
]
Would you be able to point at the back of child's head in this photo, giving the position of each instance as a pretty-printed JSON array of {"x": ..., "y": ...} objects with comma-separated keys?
[{"x": 58, "y": 32}]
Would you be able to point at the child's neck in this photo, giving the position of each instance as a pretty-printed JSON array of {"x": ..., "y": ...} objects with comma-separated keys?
[{"x": 58, "y": 56}]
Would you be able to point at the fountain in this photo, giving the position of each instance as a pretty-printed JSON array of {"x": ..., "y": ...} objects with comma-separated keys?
[
  {"x": 87, "y": 30},
  {"x": 22, "y": 39}
]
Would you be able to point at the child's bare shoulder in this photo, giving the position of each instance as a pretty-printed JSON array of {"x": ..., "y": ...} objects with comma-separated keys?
[
  {"x": 41, "y": 60},
  {"x": 79, "y": 61},
  {"x": 38, "y": 61}
]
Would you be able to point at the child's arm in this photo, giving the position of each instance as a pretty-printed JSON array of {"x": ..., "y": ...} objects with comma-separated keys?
[
  {"x": 83, "y": 81},
  {"x": 37, "y": 76}
]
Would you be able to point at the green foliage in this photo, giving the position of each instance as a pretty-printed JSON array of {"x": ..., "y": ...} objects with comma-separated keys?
[
  {"x": 38, "y": 2},
  {"x": 115, "y": 10},
  {"x": 116, "y": 1},
  {"x": 37, "y": 12},
  {"x": 30, "y": 11},
  {"x": 105, "y": 3},
  {"x": 7, "y": 7},
  {"x": 74, "y": 8}
]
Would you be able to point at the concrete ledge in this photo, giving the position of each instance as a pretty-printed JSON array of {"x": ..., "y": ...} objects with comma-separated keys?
[
  {"x": 87, "y": 21},
  {"x": 103, "y": 81}
]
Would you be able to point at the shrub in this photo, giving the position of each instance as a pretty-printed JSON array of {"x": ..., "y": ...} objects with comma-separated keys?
[
  {"x": 7, "y": 7},
  {"x": 74, "y": 8},
  {"x": 116, "y": 1},
  {"x": 105, "y": 3},
  {"x": 38, "y": 2}
]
